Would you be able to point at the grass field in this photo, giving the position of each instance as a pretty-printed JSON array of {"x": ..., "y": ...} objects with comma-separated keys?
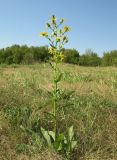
[{"x": 90, "y": 105}]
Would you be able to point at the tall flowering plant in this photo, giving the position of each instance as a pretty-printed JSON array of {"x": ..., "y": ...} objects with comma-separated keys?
[{"x": 57, "y": 37}]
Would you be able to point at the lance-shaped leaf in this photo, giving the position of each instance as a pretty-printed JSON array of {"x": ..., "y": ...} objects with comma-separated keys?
[
  {"x": 70, "y": 132},
  {"x": 46, "y": 136},
  {"x": 58, "y": 78},
  {"x": 73, "y": 144},
  {"x": 52, "y": 134}
]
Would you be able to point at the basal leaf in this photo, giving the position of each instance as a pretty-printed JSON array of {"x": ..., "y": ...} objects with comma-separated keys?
[
  {"x": 46, "y": 136},
  {"x": 70, "y": 133}
]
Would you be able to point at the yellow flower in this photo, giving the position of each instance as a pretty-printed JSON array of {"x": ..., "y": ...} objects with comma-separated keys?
[
  {"x": 61, "y": 56},
  {"x": 52, "y": 50},
  {"x": 66, "y": 29},
  {"x": 44, "y": 34}
]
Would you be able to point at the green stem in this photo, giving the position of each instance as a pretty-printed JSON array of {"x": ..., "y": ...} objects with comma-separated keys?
[
  {"x": 55, "y": 118},
  {"x": 55, "y": 100}
]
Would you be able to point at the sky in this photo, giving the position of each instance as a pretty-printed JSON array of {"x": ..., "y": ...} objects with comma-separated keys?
[{"x": 93, "y": 23}]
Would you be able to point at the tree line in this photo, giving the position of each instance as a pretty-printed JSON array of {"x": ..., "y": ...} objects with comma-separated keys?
[{"x": 17, "y": 54}]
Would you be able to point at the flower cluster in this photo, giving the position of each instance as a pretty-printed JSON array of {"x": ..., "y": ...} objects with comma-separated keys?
[
  {"x": 56, "y": 36},
  {"x": 56, "y": 54},
  {"x": 52, "y": 50}
]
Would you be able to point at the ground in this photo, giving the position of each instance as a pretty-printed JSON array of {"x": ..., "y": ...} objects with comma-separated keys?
[{"x": 91, "y": 108}]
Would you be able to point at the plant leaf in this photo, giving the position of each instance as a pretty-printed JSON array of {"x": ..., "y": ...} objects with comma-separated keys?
[
  {"x": 70, "y": 133},
  {"x": 58, "y": 142},
  {"x": 52, "y": 134},
  {"x": 58, "y": 78},
  {"x": 51, "y": 65},
  {"x": 73, "y": 144},
  {"x": 46, "y": 136},
  {"x": 58, "y": 145}
]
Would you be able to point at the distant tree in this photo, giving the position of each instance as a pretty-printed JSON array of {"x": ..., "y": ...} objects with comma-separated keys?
[
  {"x": 110, "y": 58},
  {"x": 17, "y": 54},
  {"x": 106, "y": 60},
  {"x": 71, "y": 56},
  {"x": 8, "y": 55},
  {"x": 23, "y": 54},
  {"x": 90, "y": 58},
  {"x": 27, "y": 54},
  {"x": 2, "y": 57},
  {"x": 40, "y": 54}
]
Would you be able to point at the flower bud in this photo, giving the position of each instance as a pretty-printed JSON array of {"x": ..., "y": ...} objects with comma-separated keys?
[
  {"x": 62, "y": 20},
  {"x": 48, "y": 25},
  {"x": 60, "y": 31},
  {"x": 58, "y": 39},
  {"x": 66, "y": 29},
  {"x": 65, "y": 39}
]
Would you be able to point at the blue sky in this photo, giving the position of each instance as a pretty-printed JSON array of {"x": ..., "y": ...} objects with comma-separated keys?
[{"x": 93, "y": 22}]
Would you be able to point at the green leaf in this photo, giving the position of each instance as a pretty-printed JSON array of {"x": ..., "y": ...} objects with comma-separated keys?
[
  {"x": 29, "y": 131},
  {"x": 61, "y": 137},
  {"x": 58, "y": 145},
  {"x": 73, "y": 144},
  {"x": 52, "y": 46},
  {"x": 46, "y": 136},
  {"x": 58, "y": 78},
  {"x": 52, "y": 65},
  {"x": 52, "y": 134},
  {"x": 58, "y": 142},
  {"x": 22, "y": 127},
  {"x": 70, "y": 133}
]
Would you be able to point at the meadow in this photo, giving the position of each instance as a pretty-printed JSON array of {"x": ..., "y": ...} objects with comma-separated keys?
[{"x": 90, "y": 105}]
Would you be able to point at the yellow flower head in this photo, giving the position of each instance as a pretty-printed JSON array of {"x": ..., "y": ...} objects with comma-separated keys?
[
  {"x": 66, "y": 29},
  {"x": 61, "y": 56},
  {"x": 44, "y": 34},
  {"x": 52, "y": 50}
]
